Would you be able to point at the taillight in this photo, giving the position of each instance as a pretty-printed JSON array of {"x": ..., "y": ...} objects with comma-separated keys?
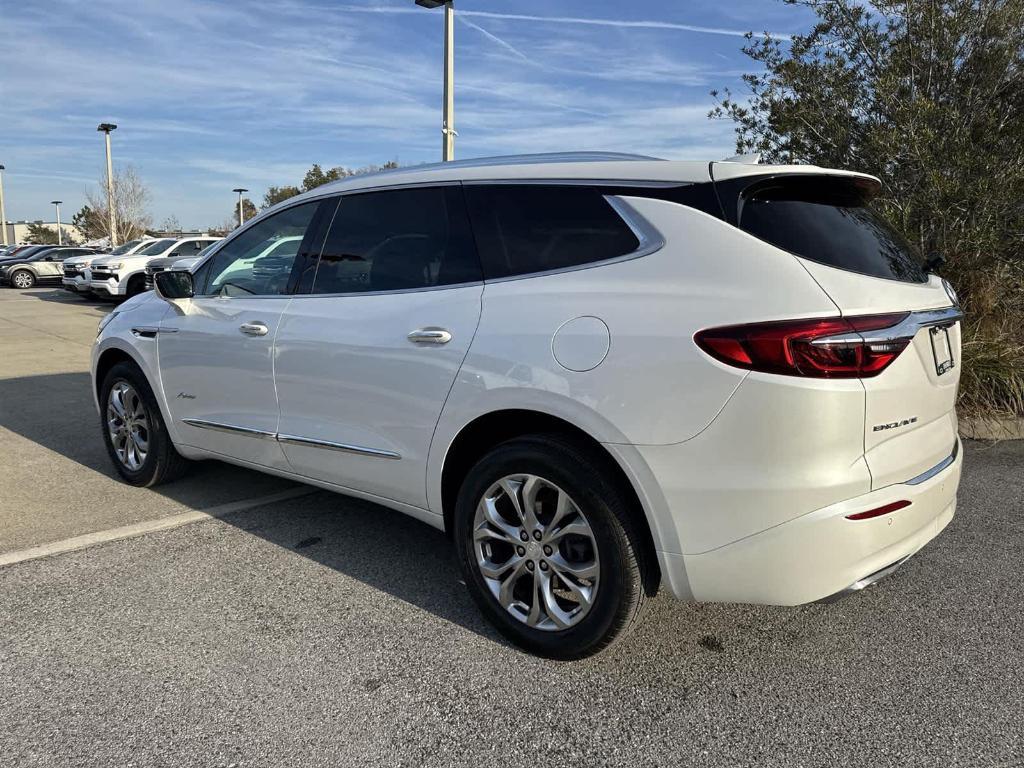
[{"x": 826, "y": 348}]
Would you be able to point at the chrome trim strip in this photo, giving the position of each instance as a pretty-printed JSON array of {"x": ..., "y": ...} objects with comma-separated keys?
[
  {"x": 229, "y": 428},
  {"x": 341, "y": 447},
  {"x": 915, "y": 321},
  {"x": 929, "y": 474},
  {"x": 867, "y": 581}
]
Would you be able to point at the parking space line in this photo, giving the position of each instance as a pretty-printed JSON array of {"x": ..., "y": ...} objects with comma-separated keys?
[{"x": 149, "y": 526}]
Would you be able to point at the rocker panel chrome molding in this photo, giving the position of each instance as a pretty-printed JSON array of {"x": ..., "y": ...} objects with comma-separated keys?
[{"x": 327, "y": 445}]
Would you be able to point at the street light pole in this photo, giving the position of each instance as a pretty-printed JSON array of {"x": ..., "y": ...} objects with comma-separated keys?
[
  {"x": 106, "y": 128},
  {"x": 241, "y": 213},
  {"x": 3, "y": 213},
  {"x": 60, "y": 237},
  {"x": 448, "y": 132}
]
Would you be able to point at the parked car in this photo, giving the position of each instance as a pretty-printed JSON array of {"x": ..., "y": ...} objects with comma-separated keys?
[
  {"x": 125, "y": 276},
  {"x": 596, "y": 373},
  {"x": 75, "y": 279},
  {"x": 172, "y": 262},
  {"x": 37, "y": 265}
]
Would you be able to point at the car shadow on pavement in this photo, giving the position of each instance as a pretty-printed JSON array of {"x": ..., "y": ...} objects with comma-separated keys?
[
  {"x": 59, "y": 295},
  {"x": 382, "y": 548}
]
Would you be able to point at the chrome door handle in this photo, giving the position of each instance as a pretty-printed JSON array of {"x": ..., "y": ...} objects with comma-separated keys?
[
  {"x": 254, "y": 329},
  {"x": 430, "y": 336}
]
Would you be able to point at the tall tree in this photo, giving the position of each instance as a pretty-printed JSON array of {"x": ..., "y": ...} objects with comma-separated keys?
[
  {"x": 275, "y": 195},
  {"x": 928, "y": 96},
  {"x": 41, "y": 234},
  {"x": 171, "y": 224},
  {"x": 131, "y": 202},
  {"x": 248, "y": 210},
  {"x": 88, "y": 222}
]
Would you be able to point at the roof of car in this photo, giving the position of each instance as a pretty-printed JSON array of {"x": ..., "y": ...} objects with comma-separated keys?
[{"x": 565, "y": 166}]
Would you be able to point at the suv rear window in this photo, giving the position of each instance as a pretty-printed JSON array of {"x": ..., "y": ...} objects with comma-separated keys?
[
  {"x": 526, "y": 228},
  {"x": 829, "y": 220}
]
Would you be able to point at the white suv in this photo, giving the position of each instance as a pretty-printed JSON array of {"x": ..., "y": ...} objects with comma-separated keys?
[
  {"x": 598, "y": 374},
  {"x": 125, "y": 276}
]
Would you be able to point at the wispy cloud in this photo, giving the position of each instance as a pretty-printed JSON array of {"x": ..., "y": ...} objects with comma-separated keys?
[
  {"x": 494, "y": 38},
  {"x": 579, "y": 20}
]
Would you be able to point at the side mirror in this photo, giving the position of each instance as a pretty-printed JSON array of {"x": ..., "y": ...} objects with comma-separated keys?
[{"x": 174, "y": 285}]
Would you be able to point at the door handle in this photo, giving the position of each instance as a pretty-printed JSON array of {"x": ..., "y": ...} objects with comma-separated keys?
[
  {"x": 254, "y": 329},
  {"x": 430, "y": 336}
]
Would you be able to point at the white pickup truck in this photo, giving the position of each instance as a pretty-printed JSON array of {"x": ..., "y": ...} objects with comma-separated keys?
[
  {"x": 125, "y": 276},
  {"x": 74, "y": 278}
]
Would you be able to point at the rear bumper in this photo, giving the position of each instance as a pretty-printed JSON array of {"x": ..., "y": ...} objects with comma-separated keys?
[{"x": 822, "y": 554}]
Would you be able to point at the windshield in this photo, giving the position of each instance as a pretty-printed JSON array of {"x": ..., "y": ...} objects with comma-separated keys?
[
  {"x": 829, "y": 220},
  {"x": 125, "y": 247},
  {"x": 157, "y": 246}
]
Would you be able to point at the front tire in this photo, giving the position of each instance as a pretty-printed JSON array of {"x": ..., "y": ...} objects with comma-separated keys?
[
  {"x": 134, "y": 430},
  {"x": 549, "y": 547},
  {"x": 23, "y": 279}
]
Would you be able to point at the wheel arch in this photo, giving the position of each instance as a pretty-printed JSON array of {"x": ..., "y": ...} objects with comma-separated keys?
[{"x": 495, "y": 427}]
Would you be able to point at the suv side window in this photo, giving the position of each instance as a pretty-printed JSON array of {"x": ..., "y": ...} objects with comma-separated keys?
[
  {"x": 526, "y": 228},
  {"x": 253, "y": 263},
  {"x": 398, "y": 240}
]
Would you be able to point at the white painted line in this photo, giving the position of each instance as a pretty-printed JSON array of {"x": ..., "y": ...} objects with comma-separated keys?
[{"x": 148, "y": 526}]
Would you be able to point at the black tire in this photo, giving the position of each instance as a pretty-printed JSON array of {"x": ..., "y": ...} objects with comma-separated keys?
[
  {"x": 626, "y": 578},
  {"x": 162, "y": 463},
  {"x": 136, "y": 285},
  {"x": 22, "y": 275}
]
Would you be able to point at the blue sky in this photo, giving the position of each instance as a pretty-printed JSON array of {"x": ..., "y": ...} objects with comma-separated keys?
[{"x": 209, "y": 96}]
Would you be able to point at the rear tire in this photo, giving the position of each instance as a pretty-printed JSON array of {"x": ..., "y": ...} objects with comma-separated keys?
[
  {"x": 577, "y": 582},
  {"x": 134, "y": 430},
  {"x": 23, "y": 279}
]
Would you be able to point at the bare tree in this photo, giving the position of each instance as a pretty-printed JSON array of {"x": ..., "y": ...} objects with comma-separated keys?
[{"x": 131, "y": 201}]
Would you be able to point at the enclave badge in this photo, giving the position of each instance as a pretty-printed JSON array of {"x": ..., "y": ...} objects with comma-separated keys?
[{"x": 895, "y": 424}]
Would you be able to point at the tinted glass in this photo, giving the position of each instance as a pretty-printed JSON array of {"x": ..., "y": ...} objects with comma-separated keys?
[
  {"x": 124, "y": 247},
  {"x": 189, "y": 248},
  {"x": 398, "y": 240},
  {"x": 524, "y": 228},
  {"x": 157, "y": 246},
  {"x": 829, "y": 220},
  {"x": 253, "y": 263}
]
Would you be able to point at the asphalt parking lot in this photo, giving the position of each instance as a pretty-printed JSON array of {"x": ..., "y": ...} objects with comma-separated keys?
[{"x": 316, "y": 630}]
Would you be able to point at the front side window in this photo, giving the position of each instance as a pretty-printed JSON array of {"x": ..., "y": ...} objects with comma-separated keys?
[
  {"x": 527, "y": 228},
  {"x": 259, "y": 261},
  {"x": 398, "y": 240}
]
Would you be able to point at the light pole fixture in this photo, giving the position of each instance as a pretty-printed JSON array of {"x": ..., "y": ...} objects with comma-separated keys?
[
  {"x": 106, "y": 128},
  {"x": 3, "y": 213},
  {"x": 241, "y": 213},
  {"x": 60, "y": 237},
  {"x": 448, "y": 132}
]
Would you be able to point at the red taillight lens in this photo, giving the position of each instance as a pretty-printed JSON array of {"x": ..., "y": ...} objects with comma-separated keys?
[{"x": 828, "y": 348}]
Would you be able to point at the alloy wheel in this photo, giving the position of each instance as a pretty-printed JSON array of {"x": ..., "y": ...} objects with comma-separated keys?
[
  {"x": 536, "y": 552},
  {"x": 22, "y": 280},
  {"x": 128, "y": 425}
]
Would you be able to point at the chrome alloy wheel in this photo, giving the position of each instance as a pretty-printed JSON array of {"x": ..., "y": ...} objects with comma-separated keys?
[
  {"x": 22, "y": 280},
  {"x": 536, "y": 552},
  {"x": 128, "y": 425}
]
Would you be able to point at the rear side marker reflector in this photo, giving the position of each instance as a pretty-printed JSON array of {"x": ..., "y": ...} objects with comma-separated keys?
[
  {"x": 823, "y": 348},
  {"x": 879, "y": 511}
]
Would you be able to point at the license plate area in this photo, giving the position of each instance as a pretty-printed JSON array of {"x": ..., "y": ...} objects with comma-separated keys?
[{"x": 942, "y": 350}]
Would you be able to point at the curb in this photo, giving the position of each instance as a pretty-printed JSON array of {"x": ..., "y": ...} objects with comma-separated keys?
[{"x": 992, "y": 429}]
